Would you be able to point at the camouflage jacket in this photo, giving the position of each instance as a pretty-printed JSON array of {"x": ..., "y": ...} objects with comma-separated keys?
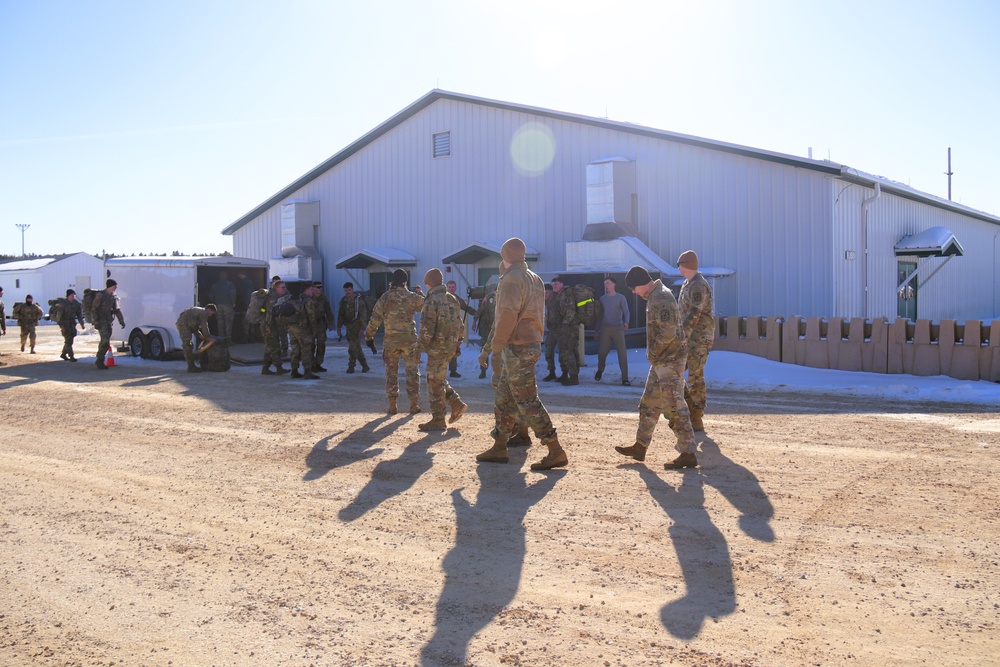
[
  {"x": 486, "y": 313},
  {"x": 520, "y": 309},
  {"x": 270, "y": 303},
  {"x": 665, "y": 340},
  {"x": 326, "y": 311},
  {"x": 310, "y": 312},
  {"x": 697, "y": 313},
  {"x": 395, "y": 310},
  {"x": 441, "y": 328},
  {"x": 29, "y": 313},
  {"x": 194, "y": 319},
  {"x": 564, "y": 304},
  {"x": 72, "y": 312},
  {"x": 352, "y": 310},
  {"x": 105, "y": 308}
]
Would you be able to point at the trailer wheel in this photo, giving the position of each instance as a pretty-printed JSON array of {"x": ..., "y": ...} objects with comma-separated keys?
[
  {"x": 156, "y": 346},
  {"x": 137, "y": 344}
]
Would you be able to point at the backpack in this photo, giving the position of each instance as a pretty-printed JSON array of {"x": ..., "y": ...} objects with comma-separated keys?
[
  {"x": 16, "y": 312},
  {"x": 288, "y": 312},
  {"x": 258, "y": 303},
  {"x": 56, "y": 307},
  {"x": 217, "y": 358},
  {"x": 88, "y": 304},
  {"x": 586, "y": 307}
]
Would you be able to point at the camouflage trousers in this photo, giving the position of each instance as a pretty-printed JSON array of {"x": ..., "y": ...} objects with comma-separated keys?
[
  {"x": 697, "y": 357},
  {"x": 68, "y": 330},
  {"x": 224, "y": 320},
  {"x": 302, "y": 347},
  {"x": 319, "y": 344},
  {"x": 664, "y": 395},
  {"x": 516, "y": 391},
  {"x": 28, "y": 333},
  {"x": 550, "y": 349},
  {"x": 187, "y": 346},
  {"x": 354, "y": 352},
  {"x": 439, "y": 391},
  {"x": 392, "y": 354},
  {"x": 568, "y": 340},
  {"x": 104, "y": 330},
  {"x": 272, "y": 345}
]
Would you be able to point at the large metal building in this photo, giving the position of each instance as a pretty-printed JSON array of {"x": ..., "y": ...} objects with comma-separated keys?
[
  {"x": 47, "y": 278},
  {"x": 447, "y": 179}
]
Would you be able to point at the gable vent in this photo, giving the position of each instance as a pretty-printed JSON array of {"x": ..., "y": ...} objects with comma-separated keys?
[{"x": 442, "y": 144}]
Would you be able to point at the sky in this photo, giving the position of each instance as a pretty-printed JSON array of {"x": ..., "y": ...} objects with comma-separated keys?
[{"x": 130, "y": 127}]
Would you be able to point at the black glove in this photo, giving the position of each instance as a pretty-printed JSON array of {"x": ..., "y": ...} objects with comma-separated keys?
[{"x": 371, "y": 346}]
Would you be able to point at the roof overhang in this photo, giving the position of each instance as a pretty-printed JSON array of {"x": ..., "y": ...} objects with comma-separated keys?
[
  {"x": 616, "y": 256},
  {"x": 480, "y": 250},
  {"x": 367, "y": 257},
  {"x": 932, "y": 242}
]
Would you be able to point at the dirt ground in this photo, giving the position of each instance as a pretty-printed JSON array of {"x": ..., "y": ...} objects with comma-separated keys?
[{"x": 155, "y": 517}]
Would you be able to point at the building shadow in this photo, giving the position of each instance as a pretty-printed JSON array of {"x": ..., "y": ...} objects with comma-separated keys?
[
  {"x": 741, "y": 488},
  {"x": 394, "y": 477},
  {"x": 702, "y": 553},
  {"x": 483, "y": 569},
  {"x": 353, "y": 447}
]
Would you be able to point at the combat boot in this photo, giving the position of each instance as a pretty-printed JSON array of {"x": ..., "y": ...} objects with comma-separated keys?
[
  {"x": 556, "y": 458},
  {"x": 636, "y": 451},
  {"x": 365, "y": 368},
  {"x": 562, "y": 378},
  {"x": 295, "y": 373},
  {"x": 551, "y": 376},
  {"x": 309, "y": 375},
  {"x": 64, "y": 357},
  {"x": 192, "y": 368},
  {"x": 100, "y": 364},
  {"x": 414, "y": 406},
  {"x": 458, "y": 409},
  {"x": 685, "y": 460},
  {"x": 435, "y": 424},
  {"x": 570, "y": 380},
  {"x": 495, "y": 454},
  {"x": 696, "y": 415},
  {"x": 482, "y": 373},
  {"x": 72, "y": 358},
  {"x": 521, "y": 438},
  {"x": 318, "y": 369},
  {"x": 266, "y": 370},
  {"x": 599, "y": 374},
  {"x": 392, "y": 405},
  {"x": 279, "y": 370},
  {"x": 350, "y": 368}
]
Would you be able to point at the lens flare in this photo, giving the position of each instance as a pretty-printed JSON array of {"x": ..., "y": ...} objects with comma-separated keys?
[{"x": 532, "y": 149}]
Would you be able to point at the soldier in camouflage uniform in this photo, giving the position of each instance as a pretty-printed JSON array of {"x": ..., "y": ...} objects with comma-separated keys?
[
  {"x": 666, "y": 350},
  {"x": 70, "y": 313},
  {"x": 302, "y": 329},
  {"x": 27, "y": 317},
  {"x": 395, "y": 310},
  {"x": 551, "y": 332},
  {"x": 483, "y": 323},
  {"x": 698, "y": 320},
  {"x": 193, "y": 322},
  {"x": 517, "y": 338},
  {"x": 353, "y": 313},
  {"x": 567, "y": 331},
  {"x": 441, "y": 332},
  {"x": 324, "y": 323},
  {"x": 522, "y": 436},
  {"x": 269, "y": 329},
  {"x": 467, "y": 310},
  {"x": 105, "y": 309}
]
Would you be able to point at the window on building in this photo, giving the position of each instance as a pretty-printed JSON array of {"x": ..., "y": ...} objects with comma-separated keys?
[{"x": 442, "y": 144}]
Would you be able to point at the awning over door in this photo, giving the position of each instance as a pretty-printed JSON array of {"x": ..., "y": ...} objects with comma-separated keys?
[
  {"x": 480, "y": 250},
  {"x": 366, "y": 257},
  {"x": 932, "y": 242}
]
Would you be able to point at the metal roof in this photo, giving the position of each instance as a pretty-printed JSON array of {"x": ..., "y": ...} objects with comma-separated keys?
[
  {"x": 480, "y": 250},
  {"x": 932, "y": 242},
  {"x": 367, "y": 256},
  {"x": 33, "y": 263},
  {"x": 824, "y": 166}
]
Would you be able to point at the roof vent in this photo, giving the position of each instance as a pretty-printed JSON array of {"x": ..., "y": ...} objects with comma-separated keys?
[{"x": 610, "y": 199}]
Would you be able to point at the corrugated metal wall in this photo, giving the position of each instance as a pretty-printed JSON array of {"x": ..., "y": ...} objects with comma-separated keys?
[{"x": 783, "y": 229}]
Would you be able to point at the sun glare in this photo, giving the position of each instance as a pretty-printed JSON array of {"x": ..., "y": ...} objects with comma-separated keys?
[{"x": 532, "y": 149}]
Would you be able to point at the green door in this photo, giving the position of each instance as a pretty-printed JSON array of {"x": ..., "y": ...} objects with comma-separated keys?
[{"x": 907, "y": 297}]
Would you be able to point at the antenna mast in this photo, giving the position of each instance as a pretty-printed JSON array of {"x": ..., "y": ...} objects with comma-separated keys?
[{"x": 949, "y": 174}]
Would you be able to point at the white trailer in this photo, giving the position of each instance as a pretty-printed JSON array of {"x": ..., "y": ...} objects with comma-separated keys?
[{"x": 153, "y": 292}]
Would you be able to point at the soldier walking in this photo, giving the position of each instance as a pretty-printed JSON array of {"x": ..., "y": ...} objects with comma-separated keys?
[
  {"x": 517, "y": 339},
  {"x": 105, "y": 309},
  {"x": 353, "y": 313},
  {"x": 441, "y": 332},
  {"x": 666, "y": 350},
  {"x": 395, "y": 310},
  {"x": 567, "y": 331},
  {"x": 27, "y": 316},
  {"x": 193, "y": 324},
  {"x": 483, "y": 323},
  {"x": 301, "y": 325},
  {"x": 698, "y": 320},
  {"x": 324, "y": 323},
  {"x": 70, "y": 313},
  {"x": 269, "y": 328}
]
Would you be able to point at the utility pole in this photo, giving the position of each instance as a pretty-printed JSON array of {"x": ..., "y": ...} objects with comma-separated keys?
[
  {"x": 22, "y": 227},
  {"x": 949, "y": 174}
]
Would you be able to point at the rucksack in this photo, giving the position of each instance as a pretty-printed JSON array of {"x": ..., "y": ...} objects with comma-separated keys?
[
  {"x": 88, "y": 304},
  {"x": 56, "y": 307},
  {"x": 16, "y": 312},
  {"x": 257, "y": 307},
  {"x": 216, "y": 358},
  {"x": 586, "y": 307},
  {"x": 288, "y": 312}
]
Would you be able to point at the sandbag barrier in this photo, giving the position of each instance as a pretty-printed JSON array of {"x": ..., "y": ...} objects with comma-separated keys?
[{"x": 967, "y": 350}]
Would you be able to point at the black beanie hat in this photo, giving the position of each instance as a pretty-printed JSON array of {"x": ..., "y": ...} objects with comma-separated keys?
[
  {"x": 399, "y": 277},
  {"x": 111, "y": 282},
  {"x": 637, "y": 276}
]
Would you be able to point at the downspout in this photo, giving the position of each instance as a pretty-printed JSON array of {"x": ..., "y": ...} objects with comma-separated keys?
[{"x": 864, "y": 240}]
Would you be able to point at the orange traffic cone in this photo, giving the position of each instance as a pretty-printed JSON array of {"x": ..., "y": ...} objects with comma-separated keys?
[{"x": 110, "y": 361}]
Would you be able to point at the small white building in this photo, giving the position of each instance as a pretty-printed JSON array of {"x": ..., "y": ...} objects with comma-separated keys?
[
  {"x": 47, "y": 278},
  {"x": 449, "y": 178}
]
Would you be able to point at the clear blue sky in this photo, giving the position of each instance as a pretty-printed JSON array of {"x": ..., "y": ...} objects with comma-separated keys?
[{"x": 139, "y": 126}]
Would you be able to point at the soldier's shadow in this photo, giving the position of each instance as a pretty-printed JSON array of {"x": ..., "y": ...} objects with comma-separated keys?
[
  {"x": 741, "y": 488},
  {"x": 702, "y": 553},
  {"x": 352, "y": 448},
  {"x": 483, "y": 570},
  {"x": 393, "y": 477}
]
